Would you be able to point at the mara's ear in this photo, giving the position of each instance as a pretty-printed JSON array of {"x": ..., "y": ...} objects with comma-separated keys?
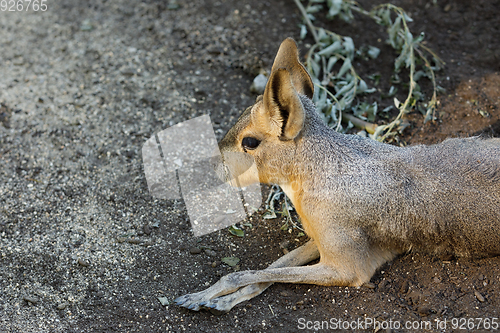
[
  {"x": 282, "y": 112},
  {"x": 288, "y": 57}
]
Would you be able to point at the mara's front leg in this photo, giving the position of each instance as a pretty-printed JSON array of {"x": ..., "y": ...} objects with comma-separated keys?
[{"x": 222, "y": 297}]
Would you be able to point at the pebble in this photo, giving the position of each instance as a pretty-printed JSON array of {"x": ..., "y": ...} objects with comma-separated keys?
[
  {"x": 146, "y": 229},
  {"x": 134, "y": 241},
  {"x": 382, "y": 284},
  {"x": 128, "y": 71},
  {"x": 62, "y": 306},
  {"x": 404, "y": 287},
  {"x": 479, "y": 297},
  {"x": 194, "y": 250},
  {"x": 424, "y": 310},
  {"x": 258, "y": 84},
  {"x": 285, "y": 244},
  {"x": 83, "y": 262},
  {"x": 18, "y": 61},
  {"x": 121, "y": 239},
  {"x": 211, "y": 253},
  {"x": 30, "y": 299},
  {"x": 369, "y": 285}
]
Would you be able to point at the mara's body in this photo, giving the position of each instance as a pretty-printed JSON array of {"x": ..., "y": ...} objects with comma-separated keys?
[
  {"x": 439, "y": 198},
  {"x": 360, "y": 201}
]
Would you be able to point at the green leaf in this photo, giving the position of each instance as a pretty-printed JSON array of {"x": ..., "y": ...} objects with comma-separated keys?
[
  {"x": 407, "y": 18},
  {"x": 303, "y": 31},
  {"x": 335, "y": 7},
  {"x": 419, "y": 39},
  {"x": 386, "y": 109},
  {"x": 322, "y": 34},
  {"x": 386, "y": 17},
  {"x": 313, "y": 9},
  {"x": 393, "y": 33},
  {"x": 397, "y": 103},
  {"x": 345, "y": 67},
  {"x": 269, "y": 215},
  {"x": 234, "y": 230},
  {"x": 314, "y": 68},
  {"x": 331, "y": 62},
  {"x": 328, "y": 51},
  {"x": 362, "y": 86},
  {"x": 230, "y": 261},
  {"x": 348, "y": 45},
  {"x": 163, "y": 300},
  {"x": 392, "y": 91},
  {"x": 345, "y": 88},
  {"x": 373, "y": 52},
  {"x": 418, "y": 75},
  {"x": 403, "y": 57}
]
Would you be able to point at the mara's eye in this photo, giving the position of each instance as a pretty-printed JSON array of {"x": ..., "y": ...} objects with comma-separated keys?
[{"x": 250, "y": 143}]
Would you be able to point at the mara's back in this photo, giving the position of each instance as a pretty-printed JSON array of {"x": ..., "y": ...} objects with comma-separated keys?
[{"x": 442, "y": 198}]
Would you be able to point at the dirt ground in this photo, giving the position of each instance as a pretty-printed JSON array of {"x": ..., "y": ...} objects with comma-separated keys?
[{"x": 85, "y": 248}]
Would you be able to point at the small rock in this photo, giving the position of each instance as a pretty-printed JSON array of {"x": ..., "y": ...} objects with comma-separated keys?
[
  {"x": 424, "y": 310},
  {"x": 164, "y": 301},
  {"x": 258, "y": 84},
  {"x": 129, "y": 153},
  {"x": 134, "y": 241},
  {"x": 62, "y": 306},
  {"x": 479, "y": 297},
  {"x": 369, "y": 285},
  {"x": 404, "y": 287},
  {"x": 436, "y": 280},
  {"x": 415, "y": 297},
  {"x": 210, "y": 252},
  {"x": 18, "y": 61},
  {"x": 284, "y": 244},
  {"x": 194, "y": 250},
  {"x": 173, "y": 5},
  {"x": 86, "y": 25},
  {"x": 382, "y": 284},
  {"x": 447, "y": 8},
  {"x": 146, "y": 229},
  {"x": 83, "y": 262},
  {"x": 128, "y": 71},
  {"x": 231, "y": 261},
  {"x": 30, "y": 299},
  {"x": 214, "y": 264},
  {"x": 121, "y": 239},
  {"x": 285, "y": 293}
]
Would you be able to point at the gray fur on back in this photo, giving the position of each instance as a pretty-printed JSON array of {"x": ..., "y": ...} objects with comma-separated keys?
[{"x": 443, "y": 198}]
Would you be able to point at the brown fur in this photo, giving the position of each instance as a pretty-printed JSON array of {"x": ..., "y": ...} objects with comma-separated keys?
[{"x": 360, "y": 201}]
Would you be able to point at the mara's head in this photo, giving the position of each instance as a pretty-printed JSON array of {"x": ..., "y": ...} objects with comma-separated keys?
[{"x": 259, "y": 146}]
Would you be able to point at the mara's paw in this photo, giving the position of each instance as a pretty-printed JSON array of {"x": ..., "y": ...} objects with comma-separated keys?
[
  {"x": 193, "y": 302},
  {"x": 189, "y": 301}
]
